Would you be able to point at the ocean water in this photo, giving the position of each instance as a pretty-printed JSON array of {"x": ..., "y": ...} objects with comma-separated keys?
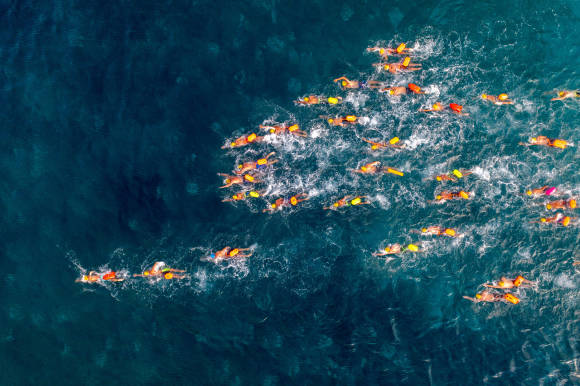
[{"x": 113, "y": 118}]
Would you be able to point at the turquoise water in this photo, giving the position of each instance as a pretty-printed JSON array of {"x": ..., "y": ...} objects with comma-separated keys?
[{"x": 114, "y": 115}]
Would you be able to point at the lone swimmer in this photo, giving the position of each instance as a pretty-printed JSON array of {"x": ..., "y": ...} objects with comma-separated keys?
[
  {"x": 565, "y": 94},
  {"x": 545, "y": 141}
]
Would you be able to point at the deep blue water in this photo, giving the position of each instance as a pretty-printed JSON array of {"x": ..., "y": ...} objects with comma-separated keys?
[{"x": 113, "y": 118}]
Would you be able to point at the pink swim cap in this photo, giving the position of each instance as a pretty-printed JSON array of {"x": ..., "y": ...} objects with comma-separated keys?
[{"x": 550, "y": 190}]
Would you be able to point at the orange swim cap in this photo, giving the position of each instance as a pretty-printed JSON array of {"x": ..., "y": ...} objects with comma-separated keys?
[
  {"x": 566, "y": 221},
  {"x": 511, "y": 298},
  {"x": 455, "y": 107},
  {"x": 518, "y": 281},
  {"x": 251, "y": 137},
  {"x": 351, "y": 118},
  {"x": 502, "y": 97},
  {"x": 572, "y": 204},
  {"x": 401, "y": 48},
  {"x": 109, "y": 276},
  {"x": 168, "y": 275},
  {"x": 407, "y": 61},
  {"x": 413, "y": 87},
  {"x": 293, "y": 200}
]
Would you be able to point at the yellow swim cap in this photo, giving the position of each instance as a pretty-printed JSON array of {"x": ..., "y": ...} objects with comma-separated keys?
[
  {"x": 502, "y": 97},
  {"x": 228, "y": 180},
  {"x": 363, "y": 168},
  {"x": 529, "y": 192},
  {"x": 501, "y": 284},
  {"x": 543, "y": 219},
  {"x": 478, "y": 296},
  {"x": 293, "y": 128},
  {"x": 391, "y": 92},
  {"x": 438, "y": 197},
  {"x": 436, "y": 106},
  {"x": 483, "y": 96},
  {"x": 273, "y": 205},
  {"x": 330, "y": 120},
  {"x": 413, "y": 247},
  {"x": 572, "y": 204},
  {"x": 388, "y": 249},
  {"x": 548, "y": 206},
  {"x": 332, "y": 100},
  {"x": 423, "y": 230},
  {"x": 374, "y": 147},
  {"x": 85, "y": 278},
  {"x": 386, "y": 67},
  {"x": 356, "y": 201},
  {"x": 306, "y": 99},
  {"x": 450, "y": 232},
  {"x": 561, "y": 93},
  {"x": 351, "y": 118},
  {"x": 335, "y": 204},
  {"x": 457, "y": 173},
  {"x": 272, "y": 130},
  {"x": 344, "y": 83},
  {"x": 394, "y": 140},
  {"x": 251, "y": 137},
  {"x": 254, "y": 194},
  {"x": 464, "y": 195},
  {"x": 233, "y": 144},
  {"x": 146, "y": 273},
  {"x": 293, "y": 200},
  {"x": 262, "y": 161},
  {"x": 533, "y": 139},
  {"x": 438, "y": 178},
  {"x": 382, "y": 51}
]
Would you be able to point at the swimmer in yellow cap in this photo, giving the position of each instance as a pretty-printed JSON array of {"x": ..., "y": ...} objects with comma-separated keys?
[
  {"x": 501, "y": 99},
  {"x": 237, "y": 180},
  {"x": 243, "y": 141},
  {"x": 565, "y": 94},
  {"x": 393, "y": 68},
  {"x": 308, "y": 100},
  {"x": 241, "y": 196},
  {"x": 395, "y": 249},
  {"x": 281, "y": 203},
  {"x": 453, "y": 175},
  {"x": 160, "y": 269},
  {"x": 541, "y": 140},
  {"x": 383, "y": 145},
  {"x": 341, "y": 121},
  {"x": 489, "y": 297},
  {"x": 559, "y": 218},
  {"x": 437, "y": 107},
  {"x": 347, "y": 201},
  {"x": 260, "y": 164},
  {"x": 446, "y": 195},
  {"x": 505, "y": 283},
  {"x": 278, "y": 130},
  {"x": 561, "y": 204},
  {"x": 437, "y": 230},
  {"x": 230, "y": 253},
  {"x": 376, "y": 168},
  {"x": 384, "y": 51},
  {"x": 346, "y": 83}
]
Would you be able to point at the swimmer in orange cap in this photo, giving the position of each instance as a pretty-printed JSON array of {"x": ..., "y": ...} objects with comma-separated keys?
[
  {"x": 395, "y": 249},
  {"x": 382, "y": 145},
  {"x": 505, "y": 283},
  {"x": 241, "y": 196},
  {"x": 230, "y": 253},
  {"x": 544, "y": 190},
  {"x": 541, "y": 140},
  {"x": 438, "y": 107},
  {"x": 243, "y": 141},
  {"x": 559, "y": 218},
  {"x": 489, "y": 297},
  {"x": 237, "y": 180},
  {"x": 376, "y": 168},
  {"x": 400, "y": 90},
  {"x": 501, "y": 99},
  {"x": 277, "y": 130},
  {"x": 566, "y": 94},
  {"x": 260, "y": 164},
  {"x": 453, "y": 175},
  {"x": 383, "y": 51},
  {"x": 308, "y": 100},
  {"x": 345, "y": 83},
  {"x": 161, "y": 270},
  {"x": 446, "y": 195},
  {"x": 437, "y": 230},
  {"x": 561, "y": 204},
  {"x": 348, "y": 201},
  {"x": 286, "y": 203},
  {"x": 94, "y": 277}
]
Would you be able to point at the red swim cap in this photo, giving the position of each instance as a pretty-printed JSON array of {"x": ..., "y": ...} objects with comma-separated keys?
[{"x": 455, "y": 107}]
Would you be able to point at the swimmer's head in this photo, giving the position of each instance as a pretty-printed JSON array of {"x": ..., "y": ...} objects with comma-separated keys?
[
  {"x": 293, "y": 200},
  {"x": 533, "y": 139},
  {"x": 388, "y": 249},
  {"x": 548, "y": 206},
  {"x": 391, "y": 92},
  {"x": 240, "y": 166},
  {"x": 437, "y": 106},
  {"x": 501, "y": 283},
  {"x": 273, "y": 206},
  {"x": 330, "y": 120},
  {"x": 562, "y": 93},
  {"x": 423, "y": 230},
  {"x": 438, "y": 197},
  {"x": 438, "y": 178},
  {"x": 386, "y": 67},
  {"x": 543, "y": 219},
  {"x": 529, "y": 192},
  {"x": 212, "y": 256},
  {"x": 374, "y": 147},
  {"x": 228, "y": 180},
  {"x": 85, "y": 278},
  {"x": 483, "y": 96},
  {"x": 343, "y": 83},
  {"x": 502, "y": 96},
  {"x": 306, "y": 99},
  {"x": 146, "y": 273},
  {"x": 381, "y": 51},
  {"x": 363, "y": 168},
  {"x": 168, "y": 275},
  {"x": 518, "y": 281},
  {"x": 572, "y": 204},
  {"x": 566, "y": 221},
  {"x": 335, "y": 204},
  {"x": 233, "y": 144},
  {"x": 272, "y": 131},
  {"x": 478, "y": 296}
]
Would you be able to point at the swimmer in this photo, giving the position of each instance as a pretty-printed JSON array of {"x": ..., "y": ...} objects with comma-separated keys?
[
  {"x": 501, "y": 99},
  {"x": 308, "y": 100},
  {"x": 257, "y": 165},
  {"x": 341, "y": 121},
  {"x": 566, "y": 94},
  {"x": 382, "y": 145},
  {"x": 160, "y": 269},
  {"x": 241, "y": 196},
  {"x": 438, "y": 107},
  {"x": 237, "y": 180},
  {"x": 437, "y": 230},
  {"x": 505, "y": 283},
  {"x": 446, "y": 195},
  {"x": 396, "y": 91},
  {"x": 453, "y": 175},
  {"x": 286, "y": 203},
  {"x": 383, "y": 51},
  {"x": 561, "y": 204},
  {"x": 486, "y": 296},
  {"x": 393, "y": 68},
  {"x": 293, "y": 129},
  {"x": 347, "y": 201},
  {"x": 230, "y": 253},
  {"x": 544, "y": 190},
  {"x": 395, "y": 249},
  {"x": 541, "y": 140},
  {"x": 376, "y": 168},
  {"x": 345, "y": 83},
  {"x": 559, "y": 218},
  {"x": 243, "y": 141},
  {"x": 94, "y": 277}
]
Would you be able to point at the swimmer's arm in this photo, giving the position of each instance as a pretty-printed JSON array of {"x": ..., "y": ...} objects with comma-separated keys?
[
  {"x": 472, "y": 299},
  {"x": 380, "y": 253},
  {"x": 341, "y": 78},
  {"x": 177, "y": 270},
  {"x": 491, "y": 286}
]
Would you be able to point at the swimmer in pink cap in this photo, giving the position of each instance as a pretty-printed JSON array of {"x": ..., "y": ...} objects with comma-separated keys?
[{"x": 544, "y": 190}]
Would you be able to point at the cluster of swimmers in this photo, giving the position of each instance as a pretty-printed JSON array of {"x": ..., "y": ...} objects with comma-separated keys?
[{"x": 159, "y": 271}]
